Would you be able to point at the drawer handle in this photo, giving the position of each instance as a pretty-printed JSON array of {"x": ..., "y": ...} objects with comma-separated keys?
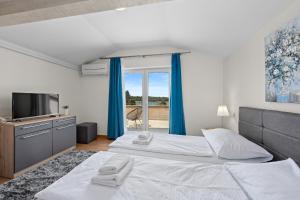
[
  {"x": 34, "y": 126},
  {"x": 64, "y": 120},
  {"x": 63, "y": 127},
  {"x": 33, "y": 135}
]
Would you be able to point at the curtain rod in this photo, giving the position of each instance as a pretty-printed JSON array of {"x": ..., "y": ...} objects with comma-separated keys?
[{"x": 145, "y": 55}]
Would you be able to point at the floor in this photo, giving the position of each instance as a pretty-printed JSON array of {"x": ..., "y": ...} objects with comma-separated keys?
[
  {"x": 100, "y": 144},
  {"x": 3, "y": 180}
]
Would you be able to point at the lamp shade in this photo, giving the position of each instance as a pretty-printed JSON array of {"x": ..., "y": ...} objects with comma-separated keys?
[{"x": 223, "y": 111}]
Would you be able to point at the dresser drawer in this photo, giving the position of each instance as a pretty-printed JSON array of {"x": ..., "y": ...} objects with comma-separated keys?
[
  {"x": 64, "y": 121},
  {"x": 32, "y": 148},
  {"x": 29, "y": 128},
  {"x": 64, "y": 137}
]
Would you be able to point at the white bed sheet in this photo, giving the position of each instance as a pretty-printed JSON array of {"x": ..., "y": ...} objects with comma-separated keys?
[
  {"x": 212, "y": 159},
  {"x": 168, "y": 144},
  {"x": 174, "y": 147},
  {"x": 150, "y": 178}
]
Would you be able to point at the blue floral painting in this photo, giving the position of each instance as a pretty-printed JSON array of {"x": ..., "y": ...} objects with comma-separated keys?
[{"x": 282, "y": 62}]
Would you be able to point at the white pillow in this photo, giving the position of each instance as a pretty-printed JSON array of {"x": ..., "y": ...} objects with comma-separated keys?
[
  {"x": 230, "y": 145},
  {"x": 268, "y": 181}
]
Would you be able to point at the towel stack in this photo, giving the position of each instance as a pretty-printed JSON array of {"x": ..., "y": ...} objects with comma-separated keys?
[
  {"x": 113, "y": 172},
  {"x": 143, "y": 138}
]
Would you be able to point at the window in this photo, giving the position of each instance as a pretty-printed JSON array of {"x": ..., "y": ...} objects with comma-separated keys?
[{"x": 147, "y": 99}]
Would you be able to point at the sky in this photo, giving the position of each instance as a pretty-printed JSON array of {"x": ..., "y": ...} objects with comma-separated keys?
[{"x": 158, "y": 84}]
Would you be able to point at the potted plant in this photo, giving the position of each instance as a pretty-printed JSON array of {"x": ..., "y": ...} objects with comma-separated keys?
[{"x": 66, "y": 109}]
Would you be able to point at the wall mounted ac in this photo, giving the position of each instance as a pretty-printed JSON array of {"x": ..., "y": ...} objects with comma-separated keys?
[{"x": 95, "y": 69}]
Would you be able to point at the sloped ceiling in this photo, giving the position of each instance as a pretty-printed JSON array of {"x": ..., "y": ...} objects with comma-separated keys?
[
  {"x": 14, "y": 12},
  {"x": 213, "y": 26}
]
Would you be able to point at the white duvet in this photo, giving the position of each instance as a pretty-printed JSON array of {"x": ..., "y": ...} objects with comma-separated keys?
[
  {"x": 150, "y": 178},
  {"x": 167, "y": 144}
]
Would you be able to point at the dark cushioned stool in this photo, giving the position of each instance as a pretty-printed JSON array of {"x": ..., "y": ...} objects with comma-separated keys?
[{"x": 86, "y": 132}]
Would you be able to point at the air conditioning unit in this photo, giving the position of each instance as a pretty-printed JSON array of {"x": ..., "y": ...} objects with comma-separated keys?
[{"x": 95, "y": 69}]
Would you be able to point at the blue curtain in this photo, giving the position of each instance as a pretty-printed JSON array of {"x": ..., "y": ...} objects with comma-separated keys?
[
  {"x": 176, "y": 122},
  {"x": 115, "y": 127}
]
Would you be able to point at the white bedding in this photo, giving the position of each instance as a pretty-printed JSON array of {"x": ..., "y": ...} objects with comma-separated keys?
[
  {"x": 230, "y": 145},
  {"x": 214, "y": 159},
  {"x": 167, "y": 144},
  {"x": 174, "y": 147},
  {"x": 278, "y": 180},
  {"x": 150, "y": 178}
]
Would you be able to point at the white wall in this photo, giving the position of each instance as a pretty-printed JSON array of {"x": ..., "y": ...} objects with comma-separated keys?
[
  {"x": 244, "y": 72},
  {"x": 202, "y": 91},
  {"x": 88, "y": 96},
  {"x": 202, "y": 88},
  {"x": 21, "y": 73},
  {"x": 95, "y": 100}
]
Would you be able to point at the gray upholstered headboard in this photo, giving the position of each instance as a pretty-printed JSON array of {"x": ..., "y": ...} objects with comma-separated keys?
[{"x": 278, "y": 132}]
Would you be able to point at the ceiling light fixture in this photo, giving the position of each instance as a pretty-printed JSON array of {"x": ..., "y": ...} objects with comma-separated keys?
[{"x": 120, "y": 9}]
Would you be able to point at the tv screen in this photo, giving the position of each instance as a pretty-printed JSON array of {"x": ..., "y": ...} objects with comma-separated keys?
[{"x": 25, "y": 105}]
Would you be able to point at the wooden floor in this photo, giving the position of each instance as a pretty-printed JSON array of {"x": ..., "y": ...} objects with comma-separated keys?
[
  {"x": 3, "y": 180},
  {"x": 100, "y": 144}
]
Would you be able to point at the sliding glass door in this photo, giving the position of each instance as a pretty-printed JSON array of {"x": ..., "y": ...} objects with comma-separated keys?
[
  {"x": 147, "y": 99},
  {"x": 158, "y": 101},
  {"x": 134, "y": 101}
]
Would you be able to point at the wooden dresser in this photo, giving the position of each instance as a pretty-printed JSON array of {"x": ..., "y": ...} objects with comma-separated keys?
[{"x": 27, "y": 143}]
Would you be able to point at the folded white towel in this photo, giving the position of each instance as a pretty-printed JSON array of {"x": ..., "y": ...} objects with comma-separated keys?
[
  {"x": 143, "y": 142},
  {"x": 114, "y": 164},
  {"x": 114, "y": 180},
  {"x": 144, "y": 135}
]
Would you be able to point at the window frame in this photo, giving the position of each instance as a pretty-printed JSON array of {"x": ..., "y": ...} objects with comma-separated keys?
[{"x": 145, "y": 90}]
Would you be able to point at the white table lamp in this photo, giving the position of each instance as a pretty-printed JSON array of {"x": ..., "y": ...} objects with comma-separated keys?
[{"x": 222, "y": 111}]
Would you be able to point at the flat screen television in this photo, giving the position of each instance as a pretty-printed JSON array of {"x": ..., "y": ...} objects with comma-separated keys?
[{"x": 28, "y": 105}]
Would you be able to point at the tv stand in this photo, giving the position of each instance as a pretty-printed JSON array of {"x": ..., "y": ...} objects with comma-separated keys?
[
  {"x": 27, "y": 143},
  {"x": 37, "y": 118}
]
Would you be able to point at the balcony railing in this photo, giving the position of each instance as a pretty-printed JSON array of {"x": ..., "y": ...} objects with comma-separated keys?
[{"x": 158, "y": 117}]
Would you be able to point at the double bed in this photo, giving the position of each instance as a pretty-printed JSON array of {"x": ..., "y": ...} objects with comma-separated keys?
[
  {"x": 155, "y": 178},
  {"x": 151, "y": 178}
]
